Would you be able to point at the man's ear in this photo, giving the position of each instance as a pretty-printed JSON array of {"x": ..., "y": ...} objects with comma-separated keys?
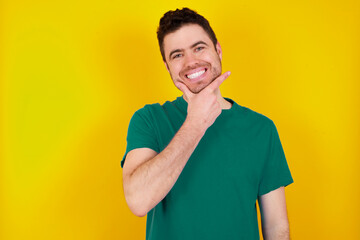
[
  {"x": 167, "y": 67},
  {"x": 218, "y": 50}
]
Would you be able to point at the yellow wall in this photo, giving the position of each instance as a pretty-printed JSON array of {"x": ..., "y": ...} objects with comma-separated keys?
[{"x": 73, "y": 73}]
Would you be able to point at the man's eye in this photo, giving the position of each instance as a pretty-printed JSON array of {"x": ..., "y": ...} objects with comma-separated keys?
[
  {"x": 199, "y": 49},
  {"x": 177, "y": 55}
]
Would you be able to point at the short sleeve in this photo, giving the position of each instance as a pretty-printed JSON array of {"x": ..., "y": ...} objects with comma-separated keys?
[
  {"x": 276, "y": 172},
  {"x": 141, "y": 133}
]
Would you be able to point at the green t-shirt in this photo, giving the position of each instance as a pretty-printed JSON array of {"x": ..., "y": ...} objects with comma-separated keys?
[{"x": 239, "y": 158}]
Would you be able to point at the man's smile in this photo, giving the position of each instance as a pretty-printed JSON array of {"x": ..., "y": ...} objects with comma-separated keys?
[{"x": 196, "y": 74}]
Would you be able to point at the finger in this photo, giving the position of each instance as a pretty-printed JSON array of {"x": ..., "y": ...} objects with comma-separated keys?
[
  {"x": 182, "y": 87},
  {"x": 218, "y": 81}
]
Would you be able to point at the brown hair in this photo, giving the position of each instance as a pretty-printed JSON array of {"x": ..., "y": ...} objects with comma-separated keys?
[{"x": 174, "y": 20}]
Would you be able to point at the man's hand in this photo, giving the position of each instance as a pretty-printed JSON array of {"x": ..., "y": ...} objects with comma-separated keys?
[{"x": 203, "y": 107}]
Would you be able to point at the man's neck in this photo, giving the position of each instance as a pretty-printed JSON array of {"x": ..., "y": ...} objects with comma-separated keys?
[{"x": 223, "y": 102}]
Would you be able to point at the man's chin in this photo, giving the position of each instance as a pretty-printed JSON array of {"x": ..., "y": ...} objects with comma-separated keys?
[{"x": 197, "y": 89}]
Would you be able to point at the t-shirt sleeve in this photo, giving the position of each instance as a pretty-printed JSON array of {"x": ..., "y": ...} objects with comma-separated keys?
[
  {"x": 276, "y": 172},
  {"x": 141, "y": 133}
]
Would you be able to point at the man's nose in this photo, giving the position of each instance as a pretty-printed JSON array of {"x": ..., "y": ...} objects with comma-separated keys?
[{"x": 191, "y": 59}]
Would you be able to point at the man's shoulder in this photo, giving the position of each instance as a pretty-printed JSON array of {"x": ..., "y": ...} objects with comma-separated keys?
[
  {"x": 148, "y": 107},
  {"x": 151, "y": 108},
  {"x": 254, "y": 117}
]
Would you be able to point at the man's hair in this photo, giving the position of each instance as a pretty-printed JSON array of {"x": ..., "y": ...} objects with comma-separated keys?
[{"x": 174, "y": 20}]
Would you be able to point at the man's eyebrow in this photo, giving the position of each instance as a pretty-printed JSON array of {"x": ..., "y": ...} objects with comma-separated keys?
[
  {"x": 197, "y": 43},
  {"x": 192, "y": 46}
]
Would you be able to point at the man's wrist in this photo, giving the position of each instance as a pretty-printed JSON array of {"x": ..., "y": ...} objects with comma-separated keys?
[{"x": 194, "y": 127}]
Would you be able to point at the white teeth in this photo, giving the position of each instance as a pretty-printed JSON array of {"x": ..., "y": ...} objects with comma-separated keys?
[{"x": 195, "y": 75}]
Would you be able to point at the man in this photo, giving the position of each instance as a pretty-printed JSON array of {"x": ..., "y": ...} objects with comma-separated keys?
[{"x": 197, "y": 165}]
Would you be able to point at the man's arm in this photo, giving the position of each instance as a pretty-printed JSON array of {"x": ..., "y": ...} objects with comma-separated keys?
[
  {"x": 148, "y": 176},
  {"x": 274, "y": 220}
]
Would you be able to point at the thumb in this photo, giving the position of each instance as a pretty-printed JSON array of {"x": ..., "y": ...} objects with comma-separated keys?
[{"x": 182, "y": 87}]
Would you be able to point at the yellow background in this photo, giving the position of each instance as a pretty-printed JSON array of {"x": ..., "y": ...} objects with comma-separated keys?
[{"x": 74, "y": 72}]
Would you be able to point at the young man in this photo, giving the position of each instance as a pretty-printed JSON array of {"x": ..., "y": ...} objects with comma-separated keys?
[{"x": 197, "y": 165}]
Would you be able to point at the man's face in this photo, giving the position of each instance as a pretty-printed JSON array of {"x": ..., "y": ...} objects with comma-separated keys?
[{"x": 191, "y": 57}]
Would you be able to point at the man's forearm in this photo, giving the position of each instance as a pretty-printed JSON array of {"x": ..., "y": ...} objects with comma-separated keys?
[{"x": 148, "y": 184}]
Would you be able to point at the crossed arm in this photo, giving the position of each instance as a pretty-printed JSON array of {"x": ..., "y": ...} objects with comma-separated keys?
[{"x": 148, "y": 176}]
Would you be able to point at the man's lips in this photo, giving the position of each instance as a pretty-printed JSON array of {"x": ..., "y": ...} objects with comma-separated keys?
[{"x": 196, "y": 73}]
